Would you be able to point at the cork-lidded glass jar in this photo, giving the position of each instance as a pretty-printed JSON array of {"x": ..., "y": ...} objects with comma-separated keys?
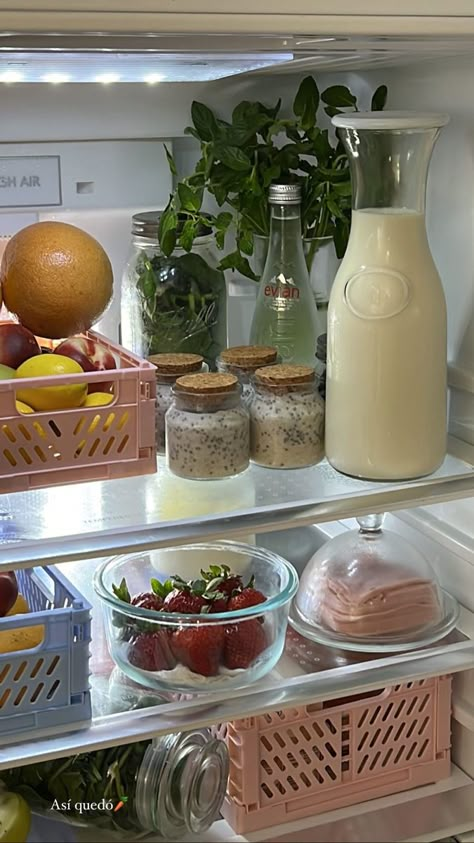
[
  {"x": 243, "y": 361},
  {"x": 207, "y": 427},
  {"x": 286, "y": 417},
  {"x": 169, "y": 367}
]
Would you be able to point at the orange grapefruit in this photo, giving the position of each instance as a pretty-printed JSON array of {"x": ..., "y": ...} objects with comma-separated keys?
[{"x": 56, "y": 279}]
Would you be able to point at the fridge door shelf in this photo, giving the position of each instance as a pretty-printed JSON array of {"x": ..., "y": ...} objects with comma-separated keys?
[
  {"x": 104, "y": 518},
  {"x": 306, "y": 674}
]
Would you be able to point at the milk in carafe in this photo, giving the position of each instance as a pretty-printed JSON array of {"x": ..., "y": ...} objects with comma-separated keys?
[{"x": 386, "y": 366}]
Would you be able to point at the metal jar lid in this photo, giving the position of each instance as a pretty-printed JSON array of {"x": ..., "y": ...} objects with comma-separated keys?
[
  {"x": 146, "y": 224},
  {"x": 285, "y": 194}
]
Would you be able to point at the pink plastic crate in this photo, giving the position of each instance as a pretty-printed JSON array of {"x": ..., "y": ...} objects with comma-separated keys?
[
  {"x": 304, "y": 761},
  {"x": 85, "y": 443}
]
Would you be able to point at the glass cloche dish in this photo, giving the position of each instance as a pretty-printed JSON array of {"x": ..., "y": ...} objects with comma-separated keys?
[{"x": 371, "y": 590}]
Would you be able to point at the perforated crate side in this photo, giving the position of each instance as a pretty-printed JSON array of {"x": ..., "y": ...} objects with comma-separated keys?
[
  {"x": 81, "y": 443},
  {"x": 47, "y": 685},
  {"x": 304, "y": 761}
]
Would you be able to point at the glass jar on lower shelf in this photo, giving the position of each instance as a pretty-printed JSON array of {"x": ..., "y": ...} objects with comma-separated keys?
[
  {"x": 286, "y": 418},
  {"x": 169, "y": 367},
  {"x": 207, "y": 428},
  {"x": 243, "y": 361},
  {"x": 173, "y": 786}
]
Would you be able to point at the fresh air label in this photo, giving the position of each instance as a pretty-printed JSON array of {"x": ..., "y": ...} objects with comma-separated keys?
[{"x": 30, "y": 181}]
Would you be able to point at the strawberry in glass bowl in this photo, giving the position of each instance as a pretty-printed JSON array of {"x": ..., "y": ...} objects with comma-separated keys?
[{"x": 222, "y": 627}]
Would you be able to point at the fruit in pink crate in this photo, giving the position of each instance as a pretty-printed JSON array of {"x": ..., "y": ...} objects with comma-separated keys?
[
  {"x": 55, "y": 278},
  {"x": 199, "y": 648},
  {"x": 243, "y": 643},
  {"x": 17, "y": 344},
  {"x": 91, "y": 355},
  {"x": 99, "y": 357},
  {"x": 151, "y": 651},
  {"x": 6, "y": 372}
]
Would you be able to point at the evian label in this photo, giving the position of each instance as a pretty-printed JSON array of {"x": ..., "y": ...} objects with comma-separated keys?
[{"x": 282, "y": 288}]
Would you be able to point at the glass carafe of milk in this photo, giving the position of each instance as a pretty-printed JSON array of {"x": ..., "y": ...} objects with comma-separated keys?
[{"x": 386, "y": 355}]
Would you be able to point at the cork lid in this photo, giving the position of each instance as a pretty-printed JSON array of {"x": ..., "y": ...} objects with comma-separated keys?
[
  {"x": 206, "y": 384},
  {"x": 249, "y": 355},
  {"x": 176, "y": 364},
  {"x": 284, "y": 375}
]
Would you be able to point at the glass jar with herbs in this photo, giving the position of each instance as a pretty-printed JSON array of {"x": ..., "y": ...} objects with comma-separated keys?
[
  {"x": 172, "y": 304},
  {"x": 286, "y": 417},
  {"x": 207, "y": 428},
  {"x": 169, "y": 367},
  {"x": 173, "y": 785}
]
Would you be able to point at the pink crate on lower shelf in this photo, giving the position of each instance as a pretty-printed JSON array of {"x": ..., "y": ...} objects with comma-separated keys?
[
  {"x": 82, "y": 443},
  {"x": 303, "y": 761}
]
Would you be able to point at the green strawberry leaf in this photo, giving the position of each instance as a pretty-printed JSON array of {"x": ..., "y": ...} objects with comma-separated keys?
[
  {"x": 162, "y": 589},
  {"x": 121, "y": 591}
]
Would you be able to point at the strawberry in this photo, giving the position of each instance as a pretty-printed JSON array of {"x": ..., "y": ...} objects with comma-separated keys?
[
  {"x": 219, "y": 603},
  {"x": 199, "y": 647},
  {"x": 184, "y": 602},
  {"x": 244, "y": 599},
  {"x": 243, "y": 643},
  {"x": 148, "y": 600},
  {"x": 151, "y": 651},
  {"x": 231, "y": 584}
]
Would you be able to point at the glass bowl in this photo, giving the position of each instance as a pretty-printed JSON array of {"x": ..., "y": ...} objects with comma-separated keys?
[
  {"x": 371, "y": 590},
  {"x": 167, "y": 655}
]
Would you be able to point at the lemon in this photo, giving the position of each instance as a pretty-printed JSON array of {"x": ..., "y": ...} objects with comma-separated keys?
[
  {"x": 21, "y": 638},
  {"x": 20, "y": 606},
  {"x": 98, "y": 399},
  {"x": 6, "y": 372},
  {"x": 23, "y": 408},
  {"x": 51, "y": 397},
  {"x": 15, "y": 818}
]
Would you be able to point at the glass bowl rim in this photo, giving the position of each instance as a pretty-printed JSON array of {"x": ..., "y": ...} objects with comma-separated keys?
[{"x": 176, "y": 618}]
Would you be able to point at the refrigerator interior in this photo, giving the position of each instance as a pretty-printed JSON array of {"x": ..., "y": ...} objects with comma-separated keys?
[{"x": 110, "y": 142}]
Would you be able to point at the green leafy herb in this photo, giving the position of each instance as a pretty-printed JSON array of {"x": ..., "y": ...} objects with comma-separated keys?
[{"x": 239, "y": 160}]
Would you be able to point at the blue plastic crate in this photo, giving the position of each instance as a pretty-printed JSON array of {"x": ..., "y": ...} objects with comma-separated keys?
[{"x": 46, "y": 688}]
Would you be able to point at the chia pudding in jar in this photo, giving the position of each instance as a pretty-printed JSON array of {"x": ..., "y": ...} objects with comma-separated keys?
[
  {"x": 286, "y": 417},
  {"x": 207, "y": 427},
  {"x": 169, "y": 367},
  {"x": 243, "y": 361}
]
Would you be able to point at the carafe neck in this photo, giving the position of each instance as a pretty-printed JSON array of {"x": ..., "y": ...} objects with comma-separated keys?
[{"x": 389, "y": 168}]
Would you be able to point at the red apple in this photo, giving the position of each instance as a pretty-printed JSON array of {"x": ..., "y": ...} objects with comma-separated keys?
[
  {"x": 8, "y": 591},
  {"x": 91, "y": 356},
  {"x": 17, "y": 344}
]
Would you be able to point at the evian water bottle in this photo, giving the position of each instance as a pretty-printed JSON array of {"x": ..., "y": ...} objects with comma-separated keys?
[{"x": 285, "y": 313}]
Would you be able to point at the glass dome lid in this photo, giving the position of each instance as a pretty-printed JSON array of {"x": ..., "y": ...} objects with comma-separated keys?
[{"x": 371, "y": 590}]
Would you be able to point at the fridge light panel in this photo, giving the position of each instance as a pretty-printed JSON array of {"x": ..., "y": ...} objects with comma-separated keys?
[{"x": 145, "y": 66}]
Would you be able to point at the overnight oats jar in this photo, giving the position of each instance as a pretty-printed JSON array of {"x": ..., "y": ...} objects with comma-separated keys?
[
  {"x": 207, "y": 427},
  {"x": 286, "y": 417},
  {"x": 169, "y": 367},
  {"x": 243, "y": 361}
]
